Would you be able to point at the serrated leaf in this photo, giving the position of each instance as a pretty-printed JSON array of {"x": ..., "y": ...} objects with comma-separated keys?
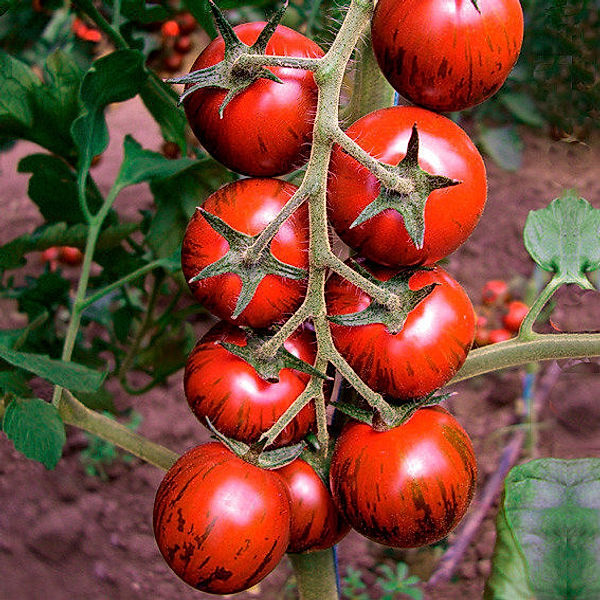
[
  {"x": 161, "y": 100},
  {"x": 522, "y": 106},
  {"x": 503, "y": 145},
  {"x": 564, "y": 238},
  {"x": 113, "y": 78},
  {"x": 144, "y": 165},
  {"x": 36, "y": 430},
  {"x": 69, "y": 375},
  {"x": 548, "y": 542}
]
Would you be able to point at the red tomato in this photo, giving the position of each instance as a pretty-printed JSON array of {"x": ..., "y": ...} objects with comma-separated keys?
[
  {"x": 70, "y": 255},
  {"x": 406, "y": 487},
  {"x": 425, "y": 354},
  {"x": 187, "y": 23},
  {"x": 495, "y": 291},
  {"x": 316, "y": 523},
  {"x": 447, "y": 56},
  {"x": 183, "y": 44},
  {"x": 267, "y": 129},
  {"x": 172, "y": 62},
  {"x": 170, "y": 28},
  {"x": 239, "y": 403},
  {"x": 221, "y": 524},
  {"x": 450, "y": 213},
  {"x": 248, "y": 205},
  {"x": 517, "y": 311},
  {"x": 50, "y": 255},
  {"x": 499, "y": 335}
]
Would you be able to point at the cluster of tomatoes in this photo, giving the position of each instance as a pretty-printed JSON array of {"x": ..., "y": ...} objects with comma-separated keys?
[
  {"x": 66, "y": 255},
  {"x": 221, "y": 522},
  {"x": 176, "y": 40}
]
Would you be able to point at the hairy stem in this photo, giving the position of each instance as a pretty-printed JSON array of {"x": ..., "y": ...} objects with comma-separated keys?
[{"x": 315, "y": 574}]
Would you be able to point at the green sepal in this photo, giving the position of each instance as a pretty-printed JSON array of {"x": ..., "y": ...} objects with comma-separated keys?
[
  {"x": 408, "y": 408},
  {"x": 265, "y": 459},
  {"x": 269, "y": 369},
  {"x": 564, "y": 238},
  {"x": 250, "y": 272},
  {"x": 380, "y": 313},
  {"x": 227, "y": 74},
  {"x": 474, "y": 3},
  {"x": 359, "y": 414},
  {"x": 410, "y": 205}
]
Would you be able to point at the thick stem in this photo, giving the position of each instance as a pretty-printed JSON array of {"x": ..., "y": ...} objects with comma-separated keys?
[
  {"x": 315, "y": 574},
  {"x": 269, "y": 60}
]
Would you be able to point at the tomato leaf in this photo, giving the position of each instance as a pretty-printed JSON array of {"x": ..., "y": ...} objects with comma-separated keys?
[
  {"x": 112, "y": 78},
  {"x": 36, "y": 430},
  {"x": 548, "y": 542},
  {"x": 69, "y": 375},
  {"x": 504, "y": 145},
  {"x": 522, "y": 106},
  {"x": 14, "y": 382},
  {"x": 564, "y": 238},
  {"x": 143, "y": 12}
]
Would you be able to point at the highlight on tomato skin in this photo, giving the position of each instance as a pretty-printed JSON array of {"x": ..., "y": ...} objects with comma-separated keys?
[
  {"x": 221, "y": 524},
  {"x": 408, "y": 486},
  {"x": 316, "y": 523},
  {"x": 429, "y": 350},
  {"x": 240, "y": 404}
]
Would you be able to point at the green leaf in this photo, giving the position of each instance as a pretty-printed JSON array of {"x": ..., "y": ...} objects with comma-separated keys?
[
  {"x": 112, "y": 78},
  {"x": 548, "y": 543},
  {"x": 565, "y": 238},
  {"x": 161, "y": 101},
  {"x": 6, "y": 5},
  {"x": 143, "y": 12},
  {"x": 503, "y": 145},
  {"x": 144, "y": 165},
  {"x": 522, "y": 106},
  {"x": 69, "y": 375},
  {"x": 36, "y": 430},
  {"x": 14, "y": 382}
]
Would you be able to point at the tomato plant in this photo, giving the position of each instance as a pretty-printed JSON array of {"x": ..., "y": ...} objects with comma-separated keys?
[
  {"x": 316, "y": 523},
  {"x": 408, "y": 486},
  {"x": 221, "y": 524},
  {"x": 277, "y": 118},
  {"x": 239, "y": 402},
  {"x": 516, "y": 312},
  {"x": 424, "y": 354},
  {"x": 450, "y": 214},
  {"x": 247, "y": 206},
  {"x": 447, "y": 58}
]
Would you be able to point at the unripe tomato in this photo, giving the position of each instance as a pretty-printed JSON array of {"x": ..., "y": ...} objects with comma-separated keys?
[
  {"x": 266, "y": 130},
  {"x": 450, "y": 55},
  {"x": 221, "y": 524},
  {"x": 406, "y": 487},
  {"x": 239, "y": 403},
  {"x": 316, "y": 523},
  {"x": 427, "y": 352},
  {"x": 451, "y": 213},
  {"x": 248, "y": 205},
  {"x": 517, "y": 311}
]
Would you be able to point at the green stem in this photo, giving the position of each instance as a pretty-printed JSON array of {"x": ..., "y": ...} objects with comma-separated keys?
[
  {"x": 315, "y": 574},
  {"x": 115, "y": 37},
  {"x": 517, "y": 352},
  {"x": 270, "y": 60},
  {"x": 526, "y": 329}
]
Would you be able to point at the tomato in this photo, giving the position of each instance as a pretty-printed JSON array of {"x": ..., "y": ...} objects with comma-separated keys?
[
  {"x": 172, "y": 62},
  {"x": 266, "y": 130},
  {"x": 316, "y": 523},
  {"x": 447, "y": 56},
  {"x": 187, "y": 23},
  {"x": 170, "y": 29},
  {"x": 406, "y": 487},
  {"x": 221, "y": 524},
  {"x": 495, "y": 291},
  {"x": 69, "y": 255},
  {"x": 451, "y": 213},
  {"x": 248, "y": 205},
  {"x": 517, "y": 311},
  {"x": 499, "y": 335},
  {"x": 239, "y": 403},
  {"x": 427, "y": 352},
  {"x": 183, "y": 44}
]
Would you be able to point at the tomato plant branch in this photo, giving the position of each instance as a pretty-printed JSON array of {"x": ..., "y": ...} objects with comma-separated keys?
[
  {"x": 77, "y": 414},
  {"x": 526, "y": 329},
  {"x": 269, "y": 60},
  {"x": 315, "y": 574},
  {"x": 517, "y": 352}
]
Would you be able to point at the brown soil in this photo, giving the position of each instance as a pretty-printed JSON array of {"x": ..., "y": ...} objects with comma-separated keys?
[{"x": 66, "y": 535}]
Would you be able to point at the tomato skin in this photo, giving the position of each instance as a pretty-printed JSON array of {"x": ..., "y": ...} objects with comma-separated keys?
[
  {"x": 495, "y": 291},
  {"x": 239, "y": 403},
  {"x": 266, "y": 130},
  {"x": 248, "y": 205},
  {"x": 448, "y": 57},
  {"x": 425, "y": 354},
  {"x": 451, "y": 213},
  {"x": 316, "y": 523},
  {"x": 499, "y": 335},
  {"x": 221, "y": 524},
  {"x": 406, "y": 487},
  {"x": 69, "y": 255},
  {"x": 517, "y": 311}
]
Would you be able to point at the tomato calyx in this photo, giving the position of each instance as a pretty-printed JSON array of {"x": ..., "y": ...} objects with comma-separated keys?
[
  {"x": 256, "y": 454},
  {"x": 393, "y": 317},
  {"x": 229, "y": 74},
  {"x": 251, "y": 268},
  {"x": 409, "y": 203},
  {"x": 269, "y": 368}
]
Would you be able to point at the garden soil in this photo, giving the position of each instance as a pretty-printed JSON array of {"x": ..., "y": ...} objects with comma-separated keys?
[{"x": 66, "y": 535}]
